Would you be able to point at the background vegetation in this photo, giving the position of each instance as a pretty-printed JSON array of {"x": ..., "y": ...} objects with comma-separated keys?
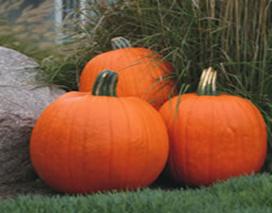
[{"x": 233, "y": 36}]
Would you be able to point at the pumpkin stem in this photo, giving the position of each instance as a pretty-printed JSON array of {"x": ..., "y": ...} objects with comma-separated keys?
[
  {"x": 207, "y": 84},
  {"x": 113, "y": 84},
  {"x": 105, "y": 84},
  {"x": 202, "y": 78},
  {"x": 214, "y": 90},
  {"x": 120, "y": 43}
]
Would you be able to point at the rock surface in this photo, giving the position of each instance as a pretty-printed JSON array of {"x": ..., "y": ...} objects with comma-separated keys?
[
  {"x": 21, "y": 102},
  {"x": 16, "y": 69}
]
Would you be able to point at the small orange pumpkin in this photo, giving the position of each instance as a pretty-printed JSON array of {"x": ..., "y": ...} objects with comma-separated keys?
[
  {"x": 213, "y": 136},
  {"x": 142, "y": 72},
  {"x": 91, "y": 142}
]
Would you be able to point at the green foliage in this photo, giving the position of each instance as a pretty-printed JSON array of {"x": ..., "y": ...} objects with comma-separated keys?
[{"x": 244, "y": 194}]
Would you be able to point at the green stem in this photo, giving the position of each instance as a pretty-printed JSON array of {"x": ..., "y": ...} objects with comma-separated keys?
[
  {"x": 214, "y": 89},
  {"x": 105, "y": 84},
  {"x": 113, "y": 84},
  {"x": 202, "y": 78},
  {"x": 120, "y": 43},
  {"x": 207, "y": 84}
]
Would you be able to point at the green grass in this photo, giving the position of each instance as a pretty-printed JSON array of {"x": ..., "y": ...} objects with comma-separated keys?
[{"x": 244, "y": 194}]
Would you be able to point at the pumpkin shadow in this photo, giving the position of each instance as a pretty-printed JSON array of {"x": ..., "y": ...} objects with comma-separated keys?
[{"x": 165, "y": 181}]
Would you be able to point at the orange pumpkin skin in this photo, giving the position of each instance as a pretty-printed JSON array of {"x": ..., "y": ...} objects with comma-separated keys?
[
  {"x": 213, "y": 138},
  {"x": 140, "y": 74},
  {"x": 83, "y": 143}
]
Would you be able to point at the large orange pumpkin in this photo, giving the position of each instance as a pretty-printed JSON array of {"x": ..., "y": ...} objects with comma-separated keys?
[
  {"x": 87, "y": 142},
  {"x": 142, "y": 72},
  {"x": 213, "y": 136}
]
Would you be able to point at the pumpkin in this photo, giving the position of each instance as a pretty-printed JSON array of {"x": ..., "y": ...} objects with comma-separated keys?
[
  {"x": 213, "y": 136},
  {"x": 87, "y": 142},
  {"x": 142, "y": 72}
]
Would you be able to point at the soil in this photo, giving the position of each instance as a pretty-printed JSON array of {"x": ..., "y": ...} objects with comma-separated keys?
[{"x": 36, "y": 187}]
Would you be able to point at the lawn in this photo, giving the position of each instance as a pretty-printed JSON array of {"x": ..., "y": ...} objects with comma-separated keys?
[{"x": 243, "y": 194}]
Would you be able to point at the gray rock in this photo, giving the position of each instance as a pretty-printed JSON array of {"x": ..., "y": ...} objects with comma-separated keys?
[
  {"x": 16, "y": 69},
  {"x": 21, "y": 102}
]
